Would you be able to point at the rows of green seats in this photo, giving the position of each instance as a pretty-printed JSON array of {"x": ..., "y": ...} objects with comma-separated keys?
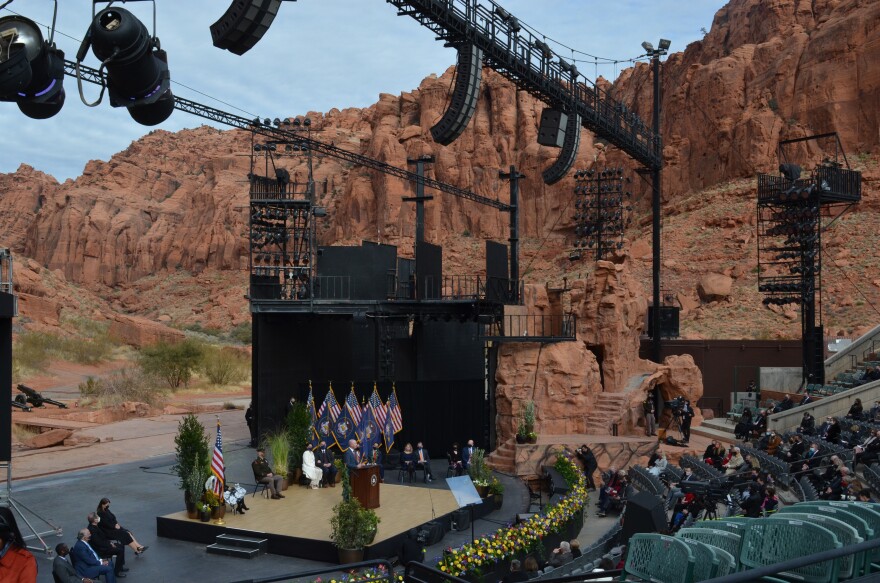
[{"x": 713, "y": 548}]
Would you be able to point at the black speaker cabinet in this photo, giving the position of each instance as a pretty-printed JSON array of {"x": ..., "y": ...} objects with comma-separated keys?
[
  {"x": 243, "y": 24},
  {"x": 669, "y": 327},
  {"x": 644, "y": 513},
  {"x": 464, "y": 97},
  {"x": 461, "y": 519},
  {"x": 551, "y": 132},
  {"x": 265, "y": 287},
  {"x": 431, "y": 533}
]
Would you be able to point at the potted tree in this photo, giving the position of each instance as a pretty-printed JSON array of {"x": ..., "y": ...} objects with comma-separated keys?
[
  {"x": 522, "y": 436},
  {"x": 191, "y": 447},
  {"x": 278, "y": 444},
  {"x": 352, "y": 527},
  {"x": 496, "y": 491},
  {"x": 299, "y": 431},
  {"x": 194, "y": 486},
  {"x": 528, "y": 418},
  {"x": 479, "y": 472}
]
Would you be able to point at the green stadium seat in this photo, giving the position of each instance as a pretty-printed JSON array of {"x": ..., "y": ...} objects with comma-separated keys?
[
  {"x": 777, "y": 538},
  {"x": 657, "y": 557}
]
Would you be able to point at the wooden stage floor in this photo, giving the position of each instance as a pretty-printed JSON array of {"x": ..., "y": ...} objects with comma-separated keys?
[{"x": 303, "y": 516}]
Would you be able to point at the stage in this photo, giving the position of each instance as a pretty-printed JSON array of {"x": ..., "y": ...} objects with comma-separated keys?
[{"x": 299, "y": 524}]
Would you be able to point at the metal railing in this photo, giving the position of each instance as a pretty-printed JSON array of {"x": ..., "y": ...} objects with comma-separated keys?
[
  {"x": 377, "y": 564},
  {"x": 533, "y": 327},
  {"x": 459, "y": 287}
]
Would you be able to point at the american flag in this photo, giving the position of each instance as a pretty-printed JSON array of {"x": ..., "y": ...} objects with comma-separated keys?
[
  {"x": 378, "y": 407},
  {"x": 330, "y": 401},
  {"x": 217, "y": 462},
  {"x": 393, "y": 410},
  {"x": 354, "y": 409}
]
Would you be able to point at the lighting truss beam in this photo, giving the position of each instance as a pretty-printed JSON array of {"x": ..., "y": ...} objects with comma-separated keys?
[
  {"x": 222, "y": 117},
  {"x": 530, "y": 64}
]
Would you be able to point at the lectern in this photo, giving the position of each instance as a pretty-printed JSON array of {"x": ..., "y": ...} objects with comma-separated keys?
[{"x": 365, "y": 486}]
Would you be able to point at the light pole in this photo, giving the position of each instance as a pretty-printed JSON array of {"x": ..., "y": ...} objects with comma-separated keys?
[{"x": 655, "y": 54}]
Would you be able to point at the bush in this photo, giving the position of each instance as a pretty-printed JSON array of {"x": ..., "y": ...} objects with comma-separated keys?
[
  {"x": 191, "y": 447},
  {"x": 242, "y": 333},
  {"x": 33, "y": 350},
  {"x": 173, "y": 363},
  {"x": 224, "y": 366},
  {"x": 121, "y": 386},
  {"x": 299, "y": 430}
]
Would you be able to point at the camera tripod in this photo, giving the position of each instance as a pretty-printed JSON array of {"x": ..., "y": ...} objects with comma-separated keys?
[
  {"x": 675, "y": 423},
  {"x": 8, "y": 501}
]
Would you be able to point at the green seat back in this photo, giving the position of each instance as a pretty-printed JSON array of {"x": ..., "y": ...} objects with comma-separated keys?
[
  {"x": 778, "y": 538},
  {"x": 850, "y": 565},
  {"x": 869, "y": 513},
  {"x": 721, "y": 539},
  {"x": 735, "y": 527},
  {"x": 705, "y": 559},
  {"x": 657, "y": 557}
]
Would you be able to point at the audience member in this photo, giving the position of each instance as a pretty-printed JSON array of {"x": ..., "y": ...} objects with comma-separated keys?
[
  {"x": 531, "y": 567},
  {"x": 114, "y": 530},
  {"x": 423, "y": 462},
  {"x": 614, "y": 492},
  {"x": 575, "y": 545},
  {"x": 832, "y": 434},
  {"x": 808, "y": 424},
  {"x": 86, "y": 560},
  {"x": 324, "y": 460},
  {"x": 735, "y": 461},
  {"x": 17, "y": 564},
  {"x": 714, "y": 454},
  {"x": 659, "y": 465},
  {"x": 561, "y": 555},
  {"x": 63, "y": 569},
  {"x": 106, "y": 547},
  {"x": 855, "y": 411},
  {"x": 516, "y": 574},
  {"x": 456, "y": 464},
  {"x": 263, "y": 474}
]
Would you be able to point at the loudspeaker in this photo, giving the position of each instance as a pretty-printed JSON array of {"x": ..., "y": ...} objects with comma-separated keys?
[
  {"x": 461, "y": 519},
  {"x": 431, "y": 533},
  {"x": 564, "y": 162},
  {"x": 265, "y": 287},
  {"x": 243, "y": 24},
  {"x": 464, "y": 96},
  {"x": 669, "y": 327},
  {"x": 644, "y": 513},
  {"x": 551, "y": 132}
]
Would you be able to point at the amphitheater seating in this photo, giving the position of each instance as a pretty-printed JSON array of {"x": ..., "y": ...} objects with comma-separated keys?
[
  {"x": 703, "y": 470},
  {"x": 778, "y": 468},
  {"x": 777, "y": 538},
  {"x": 722, "y": 539},
  {"x": 706, "y": 559},
  {"x": 657, "y": 557},
  {"x": 846, "y": 534},
  {"x": 809, "y": 490},
  {"x": 870, "y": 513},
  {"x": 646, "y": 481}
]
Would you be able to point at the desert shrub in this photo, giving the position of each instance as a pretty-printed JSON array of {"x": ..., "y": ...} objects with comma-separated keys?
[
  {"x": 172, "y": 363},
  {"x": 198, "y": 328},
  {"x": 224, "y": 366},
  {"x": 32, "y": 350},
  {"x": 121, "y": 386},
  {"x": 242, "y": 333}
]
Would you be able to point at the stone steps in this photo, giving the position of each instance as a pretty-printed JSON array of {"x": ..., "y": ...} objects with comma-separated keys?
[{"x": 503, "y": 457}]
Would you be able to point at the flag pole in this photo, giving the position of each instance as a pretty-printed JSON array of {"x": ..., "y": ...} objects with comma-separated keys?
[{"x": 219, "y": 520}]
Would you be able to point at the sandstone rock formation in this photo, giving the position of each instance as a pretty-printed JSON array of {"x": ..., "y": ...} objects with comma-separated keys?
[{"x": 714, "y": 287}]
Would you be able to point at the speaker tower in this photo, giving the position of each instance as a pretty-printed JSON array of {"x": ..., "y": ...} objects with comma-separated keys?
[{"x": 464, "y": 96}]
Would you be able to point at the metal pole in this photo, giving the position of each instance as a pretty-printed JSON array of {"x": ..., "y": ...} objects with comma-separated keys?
[
  {"x": 655, "y": 209},
  {"x": 514, "y": 177}
]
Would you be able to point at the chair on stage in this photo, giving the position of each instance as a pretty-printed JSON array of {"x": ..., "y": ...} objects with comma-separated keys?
[
  {"x": 405, "y": 474},
  {"x": 258, "y": 485},
  {"x": 451, "y": 469}
]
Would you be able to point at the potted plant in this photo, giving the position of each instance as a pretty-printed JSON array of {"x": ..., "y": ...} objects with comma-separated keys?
[
  {"x": 216, "y": 504},
  {"x": 191, "y": 447},
  {"x": 352, "y": 527},
  {"x": 479, "y": 472},
  {"x": 528, "y": 421},
  {"x": 299, "y": 433},
  {"x": 521, "y": 433},
  {"x": 278, "y": 445},
  {"x": 496, "y": 491},
  {"x": 204, "y": 511},
  {"x": 194, "y": 486}
]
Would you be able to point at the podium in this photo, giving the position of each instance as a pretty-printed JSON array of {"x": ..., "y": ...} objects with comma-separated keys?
[{"x": 365, "y": 486}]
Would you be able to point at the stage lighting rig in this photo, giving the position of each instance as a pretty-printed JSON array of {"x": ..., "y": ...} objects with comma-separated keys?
[
  {"x": 31, "y": 68},
  {"x": 137, "y": 68},
  {"x": 601, "y": 213}
]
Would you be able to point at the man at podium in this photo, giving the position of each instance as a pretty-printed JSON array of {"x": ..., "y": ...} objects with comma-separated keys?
[{"x": 351, "y": 458}]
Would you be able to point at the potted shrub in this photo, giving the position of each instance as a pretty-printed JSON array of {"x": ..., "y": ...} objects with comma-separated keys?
[
  {"x": 194, "y": 487},
  {"x": 191, "y": 447},
  {"x": 521, "y": 433},
  {"x": 479, "y": 472},
  {"x": 352, "y": 527},
  {"x": 278, "y": 445},
  {"x": 299, "y": 433},
  {"x": 496, "y": 491},
  {"x": 216, "y": 504},
  {"x": 204, "y": 511},
  {"x": 528, "y": 421}
]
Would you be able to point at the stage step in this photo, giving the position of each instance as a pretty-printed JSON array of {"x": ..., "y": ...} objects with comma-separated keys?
[
  {"x": 711, "y": 433},
  {"x": 234, "y": 545}
]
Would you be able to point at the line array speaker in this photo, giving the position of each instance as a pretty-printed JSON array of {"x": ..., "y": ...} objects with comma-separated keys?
[
  {"x": 243, "y": 24},
  {"x": 464, "y": 96},
  {"x": 564, "y": 162},
  {"x": 551, "y": 131}
]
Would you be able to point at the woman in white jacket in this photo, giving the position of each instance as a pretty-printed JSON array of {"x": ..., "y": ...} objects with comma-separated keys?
[
  {"x": 659, "y": 465},
  {"x": 309, "y": 469}
]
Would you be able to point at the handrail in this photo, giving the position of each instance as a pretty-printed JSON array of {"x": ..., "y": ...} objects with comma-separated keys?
[
  {"x": 791, "y": 564},
  {"x": 336, "y": 568},
  {"x": 416, "y": 566},
  {"x": 834, "y": 364}
]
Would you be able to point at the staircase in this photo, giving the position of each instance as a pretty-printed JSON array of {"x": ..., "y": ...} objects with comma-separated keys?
[
  {"x": 503, "y": 458},
  {"x": 720, "y": 429},
  {"x": 238, "y": 546},
  {"x": 606, "y": 412}
]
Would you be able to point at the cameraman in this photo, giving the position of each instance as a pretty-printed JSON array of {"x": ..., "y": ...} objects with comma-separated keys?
[{"x": 590, "y": 464}]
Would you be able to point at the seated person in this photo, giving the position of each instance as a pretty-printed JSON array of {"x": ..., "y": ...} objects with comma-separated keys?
[
  {"x": 868, "y": 451},
  {"x": 676, "y": 493},
  {"x": 86, "y": 560},
  {"x": 531, "y": 567},
  {"x": 807, "y": 398},
  {"x": 714, "y": 454},
  {"x": 106, "y": 547},
  {"x": 659, "y": 465},
  {"x": 784, "y": 405},
  {"x": 575, "y": 548},
  {"x": 423, "y": 462},
  {"x": 874, "y": 413},
  {"x": 837, "y": 486},
  {"x": 760, "y": 424},
  {"x": 808, "y": 424},
  {"x": 408, "y": 461},
  {"x": 517, "y": 574},
  {"x": 771, "y": 501},
  {"x": 114, "y": 530},
  {"x": 324, "y": 460},
  {"x": 263, "y": 474},
  {"x": 864, "y": 495},
  {"x": 234, "y": 495},
  {"x": 832, "y": 434},
  {"x": 62, "y": 568},
  {"x": 561, "y": 555},
  {"x": 456, "y": 463},
  {"x": 770, "y": 442},
  {"x": 309, "y": 469},
  {"x": 615, "y": 492},
  {"x": 735, "y": 461},
  {"x": 855, "y": 412}
]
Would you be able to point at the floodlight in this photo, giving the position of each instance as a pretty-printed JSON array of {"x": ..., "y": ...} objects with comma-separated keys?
[
  {"x": 664, "y": 44},
  {"x": 137, "y": 68},
  {"x": 649, "y": 48},
  {"x": 31, "y": 69}
]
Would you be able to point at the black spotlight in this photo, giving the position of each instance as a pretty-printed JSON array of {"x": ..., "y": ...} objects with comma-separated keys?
[
  {"x": 137, "y": 69},
  {"x": 31, "y": 69}
]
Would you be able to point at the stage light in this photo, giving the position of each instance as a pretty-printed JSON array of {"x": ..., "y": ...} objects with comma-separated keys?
[
  {"x": 137, "y": 68},
  {"x": 31, "y": 69},
  {"x": 649, "y": 48},
  {"x": 307, "y": 122},
  {"x": 790, "y": 171},
  {"x": 664, "y": 44}
]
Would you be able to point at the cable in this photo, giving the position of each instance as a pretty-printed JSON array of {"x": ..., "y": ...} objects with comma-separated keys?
[{"x": 5, "y": 4}]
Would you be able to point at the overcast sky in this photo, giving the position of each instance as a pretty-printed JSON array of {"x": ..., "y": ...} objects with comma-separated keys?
[{"x": 318, "y": 54}]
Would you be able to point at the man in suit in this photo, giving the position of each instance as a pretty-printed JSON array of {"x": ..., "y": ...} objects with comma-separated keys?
[
  {"x": 466, "y": 454},
  {"x": 86, "y": 560},
  {"x": 105, "y": 546},
  {"x": 324, "y": 460},
  {"x": 62, "y": 568},
  {"x": 687, "y": 413},
  {"x": 423, "y": 462},
  {"x": 676, "y": 493},
  {"x": 352, "y": 459}
]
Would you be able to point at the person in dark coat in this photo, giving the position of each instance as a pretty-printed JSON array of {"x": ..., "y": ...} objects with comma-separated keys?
[
  {"x": 456, "y": 464},
  {"x": 112, "y": 528},
  {"x": 744, "y": 426},
  {"x": 833, "y": 433},
  {"x": 86, "y": 560},
  {"x": 808, "y": 424},
  {"x": 588, "y": 458},
  {"x": 855, "y": 412},
  {"x": 687, "y": 413},
  {"x": 324, "y": 460},
  {"x": 106, "y": 547},
  {"x": 516, "y": 575},
  {"x": 63, "y": 569},
  {"x": 251, "y": 419}
]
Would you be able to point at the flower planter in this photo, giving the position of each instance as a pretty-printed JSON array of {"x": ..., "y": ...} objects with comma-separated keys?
[
  {"x": 520, "y": 439},
  {"x": 191, "y": 511},
  {"x": 498, "y": 501},
  {"x": 347, "y": 556},
  {"x": 218, "y": 511},
  {"x": 483, "y": 491},
  {"x": 532, "y": 439},
  {"x": 284, "y": 484},
  {"x": 205, "y": 515}
]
